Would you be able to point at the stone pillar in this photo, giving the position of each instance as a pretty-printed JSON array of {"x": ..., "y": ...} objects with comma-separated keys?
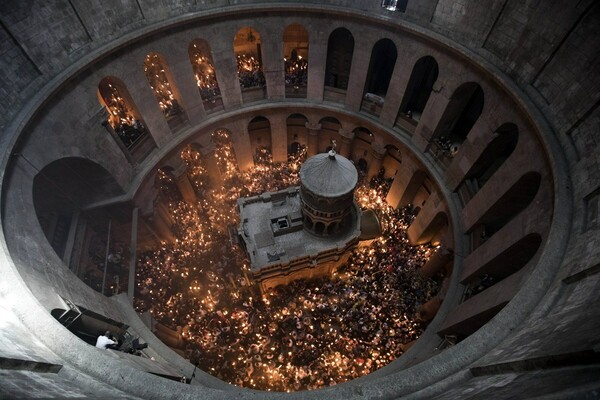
[
  {"x": 345, "y": 147},
  {"x": 427, "y": 311},
  {"x": 145, "y": 102},
  {"x": 406, "y": 184},
  {"x": 428, "y": 223},
  {"x": 432, "y": 114},
  {"x": 313, "y": 138},
  {"x": 226, "y": 71},
  {"x": 377, "y": 154},
  {"x": 436, "y": 262},
  {"x": 162, "y": 225},
  {"x": 396, "y": 89},
  {"x": 272, "y": 63},
  {"x": 317, "y": 50},
  {"x": 186, "y": 189},
  {"x": 184, "y": 81},
  {"x": 212, "y": 168},
  {"x": 241, "y": 143},
  {"x": 358, "y": 73},
  {"x": 279, "y": 137}
]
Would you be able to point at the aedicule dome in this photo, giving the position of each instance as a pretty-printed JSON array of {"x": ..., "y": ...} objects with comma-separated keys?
[{"x": 328, "y": 175}]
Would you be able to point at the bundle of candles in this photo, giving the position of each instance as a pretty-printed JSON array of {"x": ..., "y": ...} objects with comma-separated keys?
[
  {"x": 204, "y": 71},
  {"x": 307, "y": 335},
  {"x": 249, "y": 71},
  {"x": 159, "y": 83}
]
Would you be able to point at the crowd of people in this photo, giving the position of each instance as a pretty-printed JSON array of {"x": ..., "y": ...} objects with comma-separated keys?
[
  {"x": 296, "y": 70},
  {"x": 249, "y": 72},
  {"x": 306, "y": 335}
]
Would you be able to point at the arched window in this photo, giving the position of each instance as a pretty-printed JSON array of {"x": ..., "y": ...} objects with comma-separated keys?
[
  {"x": 160, "y": 80},
  {"x": 489, "y": 161},
  {"x": 295, "y": 57},
  {"x": 259, "y": 131},
  {"x": 418, "y": 89},
  {"x": 64, "y": 187},
  {"x": 206, "y": 75},
  {"x": 340, "y": 48},
  {"x": 124, "y": 119},
  {"x": 461, "y": 113},
  {"x": 507, "y": 207},
  {"x": 381, "y": 67},
  {"x": 248, "y": 55},
  {"x": 225, "y": 154}
]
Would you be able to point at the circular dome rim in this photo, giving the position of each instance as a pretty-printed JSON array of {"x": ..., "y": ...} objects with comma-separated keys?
[
  {"x": 559, "y": 174},
  {"x": 318, "y": 177}
]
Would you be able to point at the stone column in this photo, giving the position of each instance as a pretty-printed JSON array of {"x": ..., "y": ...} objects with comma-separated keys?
[
  {"x": 345, "y": 147},
  {"x": 313, "y": 138},
  {"x": 358, "y": 74},
  {"x": 272, "y": 63},
  {"x": 161, "y": 224},
  {"x": 242, "y": 146},
  {"x": 428, "y": 223},
  {"x": 317, "y": 51},
  {"x": 226, "y": 71},
  {"x": 377, "y": 154},
  {"x": 406, "y": 183},
  {"x": 279, "y": 137},
  {"x": 212, "y": 168},
  {"x": 432, "y": 114},
  {"x": 185, "y": 83},
  {"x": 186, "y": 189},
  {"x": 145, "y": 102},
  {"x": 396, "y": 90}
]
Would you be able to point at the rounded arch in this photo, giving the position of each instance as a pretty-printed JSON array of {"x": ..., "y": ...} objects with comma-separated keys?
[
  {"x": 461, "y": 114},
  {"x": 248, "y": 53},
  {"x": 295, "y": 57},
  {"x": 340, "y": 49},
  {"x": 422, "y": 78},
  {"x": 64, "y": 187},
  {"x": 205, "y": 74},
  {"x": 507, "y": 262},
  {"x": 363, "y": 134},
  {"x": 379, "y": 75},
  {"x": 491, "y": 158},
  {"x": 162, "y": 84},
  {"x": 507, "y": 206},
  {"x": 319, "y": 228}
]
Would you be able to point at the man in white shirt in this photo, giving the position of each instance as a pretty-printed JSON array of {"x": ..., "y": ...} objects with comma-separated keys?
[{"x": 106, "y": 341}]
